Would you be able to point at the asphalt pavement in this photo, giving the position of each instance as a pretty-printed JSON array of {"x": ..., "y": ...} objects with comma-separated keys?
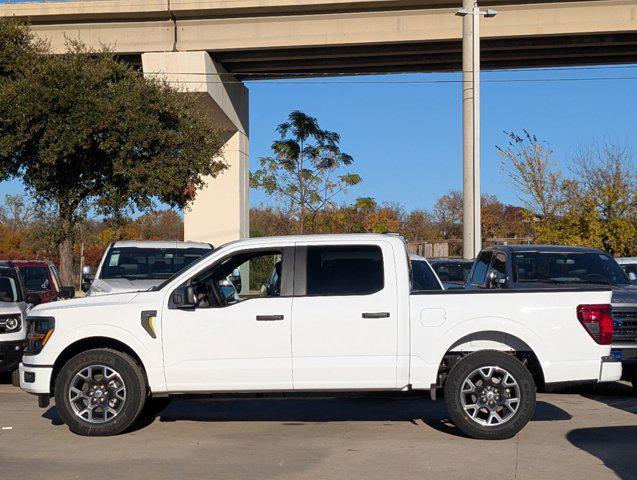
[{"x": 577, "y": 434}]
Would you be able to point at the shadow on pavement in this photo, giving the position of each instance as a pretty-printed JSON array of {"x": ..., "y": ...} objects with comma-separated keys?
[
  {"x": 298, "y": 411},
  {"x": 618, "y": 395},
  {"x": 615, "y": 446}
]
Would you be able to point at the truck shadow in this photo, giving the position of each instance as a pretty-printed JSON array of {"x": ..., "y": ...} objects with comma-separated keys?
[
  {"x": 299, "y": 411},
  {"x": 617, "y": 395},
  {"x": 615, "y": 446}
]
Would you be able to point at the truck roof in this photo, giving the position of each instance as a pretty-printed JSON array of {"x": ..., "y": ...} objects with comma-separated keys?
[
  {"x": 544, "y": 248},
  {"x": 626, "y": 260},
  {"x": 323, "y": 237},
  {"x": 32, "y": 262},
  {"x": 160, "y": 244}
]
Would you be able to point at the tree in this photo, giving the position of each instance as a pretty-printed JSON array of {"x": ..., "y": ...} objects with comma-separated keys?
[
  {"x": 303, "y": 173},
  {"x": 86, "y": 132},
  {"x": 595, "y": 206},
  {"x": 529, "y": 163}
]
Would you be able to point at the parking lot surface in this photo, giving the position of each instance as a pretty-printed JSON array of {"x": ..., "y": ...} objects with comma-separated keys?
[{"x": 581, "y": 434}]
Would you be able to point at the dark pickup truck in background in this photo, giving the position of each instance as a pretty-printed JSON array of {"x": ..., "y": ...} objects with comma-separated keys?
[{"x": 552, "y": 266}]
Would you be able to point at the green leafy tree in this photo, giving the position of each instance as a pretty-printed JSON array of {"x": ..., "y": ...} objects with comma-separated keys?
[
  {"x": 86, "y": 132},
  {"x": 304, "y": 171}
]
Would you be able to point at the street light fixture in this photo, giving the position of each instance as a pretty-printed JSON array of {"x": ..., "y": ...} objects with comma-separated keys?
[{"x": 472, "y": 235}]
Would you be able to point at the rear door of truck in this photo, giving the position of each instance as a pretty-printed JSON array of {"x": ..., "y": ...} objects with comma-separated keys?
[{"x": 345, "y": 313}]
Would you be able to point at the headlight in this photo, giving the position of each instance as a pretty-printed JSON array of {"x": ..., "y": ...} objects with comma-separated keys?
[
  {"x": 39, "y": 330},
  {"x": 10, "y": 323}
]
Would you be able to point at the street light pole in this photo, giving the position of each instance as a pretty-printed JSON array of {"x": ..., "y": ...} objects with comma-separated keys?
[{"x": 472, "y": 235}]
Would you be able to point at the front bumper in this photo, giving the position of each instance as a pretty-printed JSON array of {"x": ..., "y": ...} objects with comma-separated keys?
[
  {"x": 36, "y": 379},
  {"x": 610, "y": 369},
  {"x": 10, "y": 355}
]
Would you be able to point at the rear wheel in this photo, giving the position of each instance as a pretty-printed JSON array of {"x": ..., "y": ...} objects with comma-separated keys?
[
  {"x": 490, "y": 395},
  {"x": 100, "y": 392}
]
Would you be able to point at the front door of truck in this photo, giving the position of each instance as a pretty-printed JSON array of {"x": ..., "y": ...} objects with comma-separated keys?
[
  {"x": 344, "y": 329},
  {"x": 237, "y": 337}
]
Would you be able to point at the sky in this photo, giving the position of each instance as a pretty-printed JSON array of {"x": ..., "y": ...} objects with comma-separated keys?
[{"x": 404, "y": 131}]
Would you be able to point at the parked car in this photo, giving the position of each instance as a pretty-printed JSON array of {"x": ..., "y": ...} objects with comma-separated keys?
[
  {"x": 549, "y": 266},
  {"x": 423, "y": 277},
  {"x": 344, "y": 319},
  {"x": 41, "y": 277},
  {"x": 629, "y": 265},
  {"x": 139, "y": 265},
  {"x": 15, "y": 302},
  {"x": 452, "y": 272}
]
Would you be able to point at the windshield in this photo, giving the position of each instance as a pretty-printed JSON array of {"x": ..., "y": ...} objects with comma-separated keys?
[
  {"x": 569, "y": 267},
  {"x": 179, "y": 272},
  {"x": 452, "y": 272},
  {"x": 9, "y": 289},
  {"x": 36, "y": 279},
  {"x": 423, "y": 278},
  {"x": 148, "y": 263}
]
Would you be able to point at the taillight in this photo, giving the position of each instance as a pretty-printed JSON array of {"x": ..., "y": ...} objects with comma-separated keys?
[{"x": 598, "y": 322}]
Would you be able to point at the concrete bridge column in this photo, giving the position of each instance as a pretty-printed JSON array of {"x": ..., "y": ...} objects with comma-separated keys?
[{"x": 220, "y": 212}]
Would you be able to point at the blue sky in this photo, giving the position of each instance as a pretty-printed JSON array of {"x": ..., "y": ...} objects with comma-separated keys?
[
  {"x": 404, "y": 131},
  {"x": 406, "y": 137}
]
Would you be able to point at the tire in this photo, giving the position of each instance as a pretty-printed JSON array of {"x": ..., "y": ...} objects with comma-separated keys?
[
  {"x": 491, "y": 381},
  {"x": 100, "y": 392}
]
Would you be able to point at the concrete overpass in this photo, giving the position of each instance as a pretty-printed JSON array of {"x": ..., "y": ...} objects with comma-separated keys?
[{"x": 197, "y": 43}]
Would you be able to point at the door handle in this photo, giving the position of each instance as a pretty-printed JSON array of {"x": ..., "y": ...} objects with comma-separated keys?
[
  {"x": 376, "y": 315},
  {"x": 269, "y": 318}
]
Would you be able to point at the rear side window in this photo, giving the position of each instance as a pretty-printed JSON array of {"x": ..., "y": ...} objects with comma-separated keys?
[
  {"x": 500, "y": 264},
  {"x": 344, "y": 270},
  {"x": 480, "y": 268},
  {"x": 423, "y": 277}
]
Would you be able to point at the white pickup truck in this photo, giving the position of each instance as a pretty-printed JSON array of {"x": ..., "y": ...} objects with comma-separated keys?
[{"x": 338, "y": 314}]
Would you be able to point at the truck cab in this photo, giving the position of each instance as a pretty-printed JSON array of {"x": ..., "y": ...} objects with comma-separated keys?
[
  {"x": 41, "y": 277},
  {"x": 132, "y": 265}
]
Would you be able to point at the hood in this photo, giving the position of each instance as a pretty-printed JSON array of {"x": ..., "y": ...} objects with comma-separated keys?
[
  {"x": 625, "y": 295},
  {"x": 7, "y": 308},
  {"x": 120, "y": 285},
  {"x": 83, "y": 302}
]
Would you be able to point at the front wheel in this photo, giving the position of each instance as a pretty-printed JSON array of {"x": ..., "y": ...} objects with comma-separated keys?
[
  {"x": 490, "y": 395},
  {"x": 100, "y": 392}
]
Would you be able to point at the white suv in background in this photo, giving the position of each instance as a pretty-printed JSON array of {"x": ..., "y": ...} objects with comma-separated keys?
[{"x": 134, "y": 265}]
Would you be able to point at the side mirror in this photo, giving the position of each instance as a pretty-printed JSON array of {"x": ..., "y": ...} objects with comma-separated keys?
[
  {"x": 632, "y": 276},
  {"x": 183, "y": 297},
  {"x": 87, "y": 272},
  {"x": 34, "y": 299},
  {"x": 235, "y": 278},
  {"x": 67, "y": 292},
  {"x": 495, "y": 280}
]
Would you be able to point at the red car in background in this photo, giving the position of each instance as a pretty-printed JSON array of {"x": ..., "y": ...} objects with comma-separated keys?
[{"x": 41, "y": 277}]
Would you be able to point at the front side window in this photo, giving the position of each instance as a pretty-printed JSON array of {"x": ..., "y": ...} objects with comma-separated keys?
[
  {"x": 480, "y": 268},
  {"x": 9, "y": 290},
  {"x": 36, "y": 279},
  {"x": 148, "y": 263},
  {"x": 344, "y": 270},
  {"x": 245, "y": 275}
]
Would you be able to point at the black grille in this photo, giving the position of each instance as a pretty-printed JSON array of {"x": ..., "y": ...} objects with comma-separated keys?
[{"x": 625, "y": 325}]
